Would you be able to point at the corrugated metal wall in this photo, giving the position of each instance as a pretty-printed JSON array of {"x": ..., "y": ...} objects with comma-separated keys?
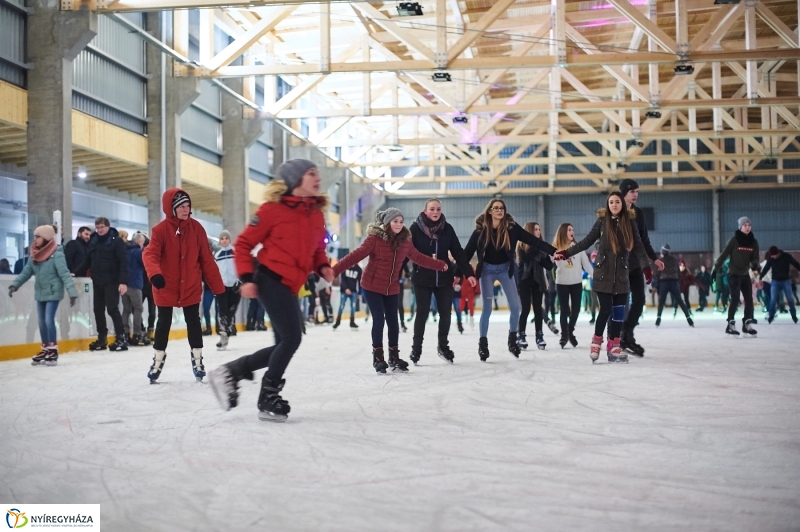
[
  {"x": 260, "y": 158},
  {"x": 201, "y": 125},
  {"x": 12, "y": 43},
  {"x": 775, "y": 215}
]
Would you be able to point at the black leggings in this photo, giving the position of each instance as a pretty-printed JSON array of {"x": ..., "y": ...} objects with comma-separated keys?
[
  {"x": 147, "y": 293},
  {"x": 530, "y": 294},
  {"x": 740, "y": 284},
  {"x": 638, "y": 299},
  {"x": 611, "y": 306},
  {"x": 191, "y": 316},
  {"x": 287, "y": 322},
  {"x": 444, "y": 303},
  {"x": 569, "y": 296},
  {"x": 384, "y": 310},
  {"x": 106, "y": 297}
]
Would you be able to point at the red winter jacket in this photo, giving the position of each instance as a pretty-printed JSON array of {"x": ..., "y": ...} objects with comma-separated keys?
[
  {"x": 179, "y": 251},
  {"x": 292, "y": 231},
  {"x": 385, "y": 264}
]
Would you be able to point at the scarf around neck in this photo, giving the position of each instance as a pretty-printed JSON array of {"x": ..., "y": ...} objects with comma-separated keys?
[
  {"x": 429, "y": 227},
  {"x": 43, "y": 253}
]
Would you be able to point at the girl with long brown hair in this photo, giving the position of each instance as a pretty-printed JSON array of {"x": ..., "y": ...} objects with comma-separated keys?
[
  {"x": 495, "y": 239},
  {"x": 569, "y": 284},
  {"x": 618, "y": 236},
  {"x": 531, "y": 285}
]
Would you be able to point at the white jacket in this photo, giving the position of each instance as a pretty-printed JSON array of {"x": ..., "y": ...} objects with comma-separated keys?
[
  {"x": 227, "y": 268},
  {"x": 570, "y": 271}
]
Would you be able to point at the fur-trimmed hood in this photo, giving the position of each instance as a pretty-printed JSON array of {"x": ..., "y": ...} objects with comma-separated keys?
[
  {"x": 377, "y": 229},
  {"x": 479, "y": 221},
  {"x": 603, "y": 211},
  {"x": 276, "y": 192}
]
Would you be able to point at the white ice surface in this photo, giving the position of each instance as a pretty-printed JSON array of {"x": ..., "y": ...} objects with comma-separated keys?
[{"x": 701, "y": 434}]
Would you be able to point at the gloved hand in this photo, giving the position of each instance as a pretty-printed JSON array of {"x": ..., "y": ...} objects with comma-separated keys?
[
  {"x": 72, "y": 301},
  {"x": 11, "y": 290},
  {"x": 560, "y": 255},
  {"x": 648, "y": 274},
  {"x": 158, "y": 281}
]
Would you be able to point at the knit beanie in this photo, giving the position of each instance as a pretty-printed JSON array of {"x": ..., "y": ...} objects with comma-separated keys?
[
  {"x": 385, "y": 217},
  {"x": 665, "y": 249},
  {"x": 179, "y": 199},
  {"x": 225, "y": 233},
  {"x": 743, "y": 220},
  {"x": 292, "y": 172},
  {"x": 773, "y": 251},
  {"x": 626, "y": 185},
  {"x": 45, "y": 231}
]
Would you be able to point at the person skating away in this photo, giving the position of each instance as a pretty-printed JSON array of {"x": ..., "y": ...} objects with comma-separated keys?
[
  {"x": 569, "y": 277},
  {"x": 630, "y": 192},
  {"x": 290, "y": 226},
  {"x": 742, "y": 250},
  {"x": 107, "y": 259},
  {"x": 687, "y": 279},
  {"x": 468, "y": 294},
  {"x": 531, "y": 286},
  {"x": 669, "y": 283},
  {"x": 618, "y": 234},
  {"x": 49, "y": 267},
  {"x": 780, "y": 263},
  {"x": 228, "y": 300},
  {"x": 148, "y": 335},
  {"x": 349, "y": 282},
  {"x": 387, "y": 245},
  {"x": 704, "y": 277},
  {"x": 495, "y": 240},
  {"x": 177, "y": 260},
  {"x": 433, "y": 236},
  {"x": 132, "y": 300},
  {"x": 721, "y": 287}
]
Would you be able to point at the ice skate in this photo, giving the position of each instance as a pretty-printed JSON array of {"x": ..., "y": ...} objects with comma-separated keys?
[
  {"x": 572, "y": 340},
  {"x": 415, "y": 354},
  {"x": 271, "y": 406},
  {"x": 98, "y": 345},
  {"x": 731, "y": 329},
  {"x": 337, "y": 323},
  {"x": 445, "y": 353},
  {"x": 552, "y": 326},
  {"x": 120, "y": 344},
  {"x": 135, "y": 340},
  {"x": 222, "y": 345},
  {"x": 395, "y": 362},
  {"x": 747, "y": 328},
  {"x": 378, "y": 362},
  {"x": 658, "y": 321},
  {"x": 159, "y": 357},
  {"x": 225, "y": 383},
  {"x": 690, "y": 321},
  {"x": 628, "y": 343},
  {"x": 197, "y": 364},
  {"x": 615, "y": 353},
  {"x": 594, "y": 350},
  {"x": 460, "y": 327},
  {"x": 540, "y": 343},
  {"x": 513, "y": 346},
  {"x": 51, "y": 356},
  {"x": 563, "y": 340},
  {"x": 353, "y": 323},
  {"x": 38, "y": 358},
  {"x": 522, "y": 340},
  {"x": 483, "y": 348}
]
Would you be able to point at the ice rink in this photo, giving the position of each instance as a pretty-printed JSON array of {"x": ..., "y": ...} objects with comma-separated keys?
[{"x": 701, "y": 434}]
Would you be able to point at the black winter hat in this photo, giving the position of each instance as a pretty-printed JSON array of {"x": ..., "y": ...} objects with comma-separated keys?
[
  {"x": 626, "y": 185},
  {"x": 179, "y": 199}
]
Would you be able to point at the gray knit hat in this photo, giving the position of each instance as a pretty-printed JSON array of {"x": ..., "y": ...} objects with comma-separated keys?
[
  {"x": 743, "y": 220},
  {"x": 225, "y": 233},
  {"x": 292, "y": 172},
  {"x": 385, "y": 217},
  {"x": 665, "y": 249}
]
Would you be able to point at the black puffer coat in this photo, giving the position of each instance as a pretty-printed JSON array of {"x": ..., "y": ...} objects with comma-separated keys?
[
  {"x": 532, "y": 266},
  {"x": 610, "y": 269},
  {"x": 107, "y": 259},
  {"x": 447, "y": 241}
]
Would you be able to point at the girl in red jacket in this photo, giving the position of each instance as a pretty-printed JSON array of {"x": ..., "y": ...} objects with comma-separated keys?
[
  {"x": 291, "y": 227},
  {"x": 387, "y": 246},
  {"x": 177, "y": 259}
]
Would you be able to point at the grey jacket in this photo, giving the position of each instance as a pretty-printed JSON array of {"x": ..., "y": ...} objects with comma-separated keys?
[
  {"x": 610, "y": 269},
  {"x": 52, "y": 276},
  {"x": 671, "y": 269}
]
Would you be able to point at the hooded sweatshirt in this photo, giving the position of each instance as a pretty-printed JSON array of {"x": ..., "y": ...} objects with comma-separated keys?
[
  {"x": 570, "y": 271},
  {"x": 743, "y": 252}
]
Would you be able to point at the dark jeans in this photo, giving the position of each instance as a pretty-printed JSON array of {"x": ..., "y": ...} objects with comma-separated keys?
[
  {"x": 107, "y": 298},
  {"x": 722, "y": 293},
  {"x": 287, "y": 322},
  {"x": 740, "y": 284},
  {"x": 703, "y": 301},
  {"x": 673, "y": 288},
  {"x": 401, "y": 310},
  {"x": 191, "y": 315},
  {"x": 530, "y": 294},
  {"x": 384, "y": 310},
  {"x": 550, "y": 304},
  {"x": 444, "y": 303},
  {"x": 255, "y": 312},
  {"x": 208, "y": 299},
  {"x": 227, "y": 303},
  {"x": 570, "y": 297},
  {"x": 607, "y": 304},
  {"x": 636, "y": 279},
  {"x": 776, "y": 288}
]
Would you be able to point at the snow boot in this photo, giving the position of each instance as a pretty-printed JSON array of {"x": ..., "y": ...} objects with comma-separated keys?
[
  {"x": 513, "y": 346},
  {"x": 98, "y": 345},
  {"x": 747, "y": 328},
  {"x": 271, "y": 406},
  {"x": 522, "y": 340},
  {"x": 731, "y": 329},
  {"x": 445, "y": 353},
  {"x": 378, "y": 362},
  {"x": 38, "y": 358},
  {"x": 594, "y": 350},
  {"x": 159, "y": 357},
  {"x": 395, "y": 362},
  {"x": 225, "y": 383},
  {"x": 483, "y": 348}
]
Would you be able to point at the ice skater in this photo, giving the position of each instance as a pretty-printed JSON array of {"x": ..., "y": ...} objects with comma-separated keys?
[
  {"x": 349, "y": 283},
  {"x": 227, "y": 301},
  {"x": 177, "y": 260},
  {"x": 780, "y": 263},
  {"x": 742, "y": 249},
  {"x": 495, "y": 240},
  {"x": 669, "y": 283},
  {"x": 688, "y": 279},
  {"x": 618, "y": 235},
  {"x": 531, "y": 286},
  {"x": 290, "y": 226},
  {"x": 569, "y": 284},
  {"x": 387, "y": 245}
]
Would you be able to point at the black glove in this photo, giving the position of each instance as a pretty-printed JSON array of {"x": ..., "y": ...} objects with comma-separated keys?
[
  {"x": 158, "y": 281},
  {"x": 72, "y": 301},
  {"x": 11, "y": 290}
]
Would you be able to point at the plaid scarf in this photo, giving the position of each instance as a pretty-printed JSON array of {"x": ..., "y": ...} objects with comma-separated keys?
[{"x": 430, "y": 227}]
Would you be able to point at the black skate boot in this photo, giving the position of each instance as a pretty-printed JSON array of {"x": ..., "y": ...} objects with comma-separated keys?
[
  {"x": 564, "y": 339},
  {"x": 136, "y": 340},
  {"x": 98, "y": 345},
  {"x": 51, "y": 357},
  {"x": 120, "y": 343},
  {"x": 416, "y": 352},
  {"x": 658, "y": 321},
  {"x": 38, "y": 358},
  {"x": 731, "y": 329},
  {"x": 540, "y": 343},
  {"x": 378, "y": 362},
  {"x": 483, "y": 348},
  {"x": 159, "y": 357},
  {"x": 460, "y": 327},
  {"x": 225, "y": 383},
  {"x": 747, "y": 328},
  {"x": 207, "y": 331},
  {"x": 197, "y": 364},
  {"x": 353, "y": 323},
  {"x": 551, "y": 324},
  {"x": 522, "y": 340},
  {"x": 271, "y": 406},
  {"x": 572, "y": 340},
  {"x": 628, "y": 343},
  {"x": 337, "y": 323},
  {"x": 395, "y": 362},
  {"x": 513, "y": 347},
  {"x": 690, "y": 321},
  {"x": 445, "y": 353}
]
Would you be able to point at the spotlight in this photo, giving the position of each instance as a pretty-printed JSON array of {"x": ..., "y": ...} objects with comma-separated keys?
[
  {"x": 492, "y": 184},
  {"x": 622, "y": 165},
  {"x": 441, "y": 77},
  {"x": 82, "y": 172},
  {"x": 475, "y": 148},
  {"x": 485, "y": 168},
  {"x": 460, "y": 119},
  {"x": 637, "y": 143},
  {"x": 683, "y": 70},
  {"x": 409, "y": 9},
  {"x": 652, "y": 114},
  {"x": 718, "y": 2},
  {"x": 769, "y": 161}
]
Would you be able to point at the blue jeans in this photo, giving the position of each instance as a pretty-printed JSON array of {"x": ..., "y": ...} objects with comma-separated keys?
[
  {"x": 208, "y": 299},
  {"x": 775, "y": 290},
  {"x": 342, "y": 300},
  {"x": 490, "y": 274},
  {"x": 47, "y": 320},
  {"x": 457, "y": 307}
]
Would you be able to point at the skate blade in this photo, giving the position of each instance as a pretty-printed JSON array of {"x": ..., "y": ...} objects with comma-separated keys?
[
  {"x": 224, "y": 404},
  {"x": 51, "y": 364},
  {"x": 275, "y": 418}
]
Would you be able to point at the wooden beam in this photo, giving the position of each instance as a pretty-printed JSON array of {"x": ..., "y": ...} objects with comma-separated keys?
[
  {"x": 649, "y": 27},
  {"x": 471, "y": 34},
  {"x": 404, "y": 36}
]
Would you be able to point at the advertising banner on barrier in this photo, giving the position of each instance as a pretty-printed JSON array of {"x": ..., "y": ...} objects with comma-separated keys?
[{"x": 52, "y": 517}]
